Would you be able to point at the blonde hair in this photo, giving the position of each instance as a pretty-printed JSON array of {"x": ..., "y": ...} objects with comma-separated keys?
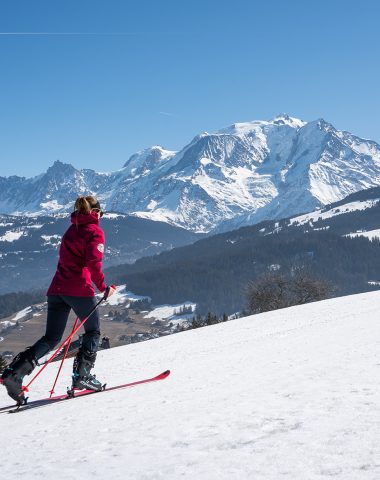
[{"x": 84, "y": 204}]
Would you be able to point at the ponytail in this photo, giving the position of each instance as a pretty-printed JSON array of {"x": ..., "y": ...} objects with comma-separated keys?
[{"x": 84, "y": 204}]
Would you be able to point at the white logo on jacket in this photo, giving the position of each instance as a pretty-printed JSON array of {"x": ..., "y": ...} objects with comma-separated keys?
[{"x": 100, "y": 247}]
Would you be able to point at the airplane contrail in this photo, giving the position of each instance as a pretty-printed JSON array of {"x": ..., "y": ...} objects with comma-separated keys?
[
  {"x": 167, "y": 114},
  {"x": 88, "y": 33}
]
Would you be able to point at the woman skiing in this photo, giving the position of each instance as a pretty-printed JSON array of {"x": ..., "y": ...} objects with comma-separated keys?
[{"x": 80, "y": 264}]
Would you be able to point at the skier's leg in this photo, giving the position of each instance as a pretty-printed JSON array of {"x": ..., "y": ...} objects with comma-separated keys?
[
  {"x": 82, "y": 306},
  {"x": 86, "y": 356},
  {"x": 25, "y": 362},
  {"x": 58, "y": 313}
]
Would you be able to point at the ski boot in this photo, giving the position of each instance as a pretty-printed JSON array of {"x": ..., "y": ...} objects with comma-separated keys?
[
  {"x": 82, "y": 378},
  {"x": 12, "y": 377}
]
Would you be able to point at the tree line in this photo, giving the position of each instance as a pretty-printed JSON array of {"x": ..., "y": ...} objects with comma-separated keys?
[
  {"x": 214, "y": 272},
  {"x": 13, "y": 302}
]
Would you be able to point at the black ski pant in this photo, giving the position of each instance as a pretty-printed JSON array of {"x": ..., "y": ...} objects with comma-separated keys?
[{"x": 59, "y": 307}]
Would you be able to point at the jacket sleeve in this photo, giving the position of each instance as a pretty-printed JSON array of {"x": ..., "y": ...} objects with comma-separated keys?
[{"x": 94, "y": 257}]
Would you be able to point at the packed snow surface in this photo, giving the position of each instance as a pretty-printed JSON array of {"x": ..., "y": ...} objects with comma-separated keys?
[{"x": 290, "y": 394}]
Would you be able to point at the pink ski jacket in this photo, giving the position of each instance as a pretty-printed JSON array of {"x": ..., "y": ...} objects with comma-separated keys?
[{"x": 80, "y": 258}]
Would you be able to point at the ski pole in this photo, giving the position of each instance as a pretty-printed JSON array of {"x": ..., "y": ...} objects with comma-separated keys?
[
  {"x": 63, "y": 359},
  {"x": 68, "y": 339}
]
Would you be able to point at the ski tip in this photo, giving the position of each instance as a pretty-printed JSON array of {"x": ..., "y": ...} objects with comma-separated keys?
[{"x": 164, "y": 374}]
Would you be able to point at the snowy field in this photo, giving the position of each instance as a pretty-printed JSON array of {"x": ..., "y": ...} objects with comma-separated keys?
[
  {"x": 371, "y": 234},
  {"x": 333, "y": 212},
  {"x": 122, "y": 295},
  {"x": 168, "y": 313},
  {"x": 291, "y": 394}
]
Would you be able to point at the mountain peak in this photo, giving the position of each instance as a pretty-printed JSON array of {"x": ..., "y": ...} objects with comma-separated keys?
[
  {"x": 285, "y": 119},
  {"x": 59, "y": 167},
  {"x": 242, "y": 128},
  {"x": 156, "y": 152},
  {"x": 243, "y": 173},
  {"x": 321, "y": 124},
  {"x": 146, "y": 160}
]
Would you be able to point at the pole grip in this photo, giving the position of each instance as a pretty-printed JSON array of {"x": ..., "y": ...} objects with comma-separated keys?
[{"x": 107, "y": 291}]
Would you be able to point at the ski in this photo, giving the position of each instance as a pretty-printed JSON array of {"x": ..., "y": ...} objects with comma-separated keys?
[{"x": 70, "y": 395}]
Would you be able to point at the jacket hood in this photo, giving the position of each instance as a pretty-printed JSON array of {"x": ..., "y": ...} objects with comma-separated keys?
[{"x": 84, "y": 218}]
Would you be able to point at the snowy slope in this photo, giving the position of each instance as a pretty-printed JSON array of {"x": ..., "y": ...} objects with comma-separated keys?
[
  {"x": 239, "y": 175},
  {"x": 323, "y": 214},
  {"x": 287, "y": 394},
  {"x": 371, "y": 235}
]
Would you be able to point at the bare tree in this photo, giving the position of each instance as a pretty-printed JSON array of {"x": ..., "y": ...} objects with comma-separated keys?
[
  {"x": 307, "y": 288},
  {"x": 275, "y": 290}
]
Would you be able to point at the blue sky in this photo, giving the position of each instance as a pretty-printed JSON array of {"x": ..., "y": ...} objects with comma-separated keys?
[{"x": 114, "y": 77}]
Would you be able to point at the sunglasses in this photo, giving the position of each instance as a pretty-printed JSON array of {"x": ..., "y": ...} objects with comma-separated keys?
[{"x": 97, "y": 210}]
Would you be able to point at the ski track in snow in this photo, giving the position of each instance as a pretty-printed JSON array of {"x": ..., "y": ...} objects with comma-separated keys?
[{"x": 290, "y": 394}]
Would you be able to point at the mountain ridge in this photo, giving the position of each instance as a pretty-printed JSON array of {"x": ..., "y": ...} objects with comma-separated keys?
[{"x": 239, "y": 175}]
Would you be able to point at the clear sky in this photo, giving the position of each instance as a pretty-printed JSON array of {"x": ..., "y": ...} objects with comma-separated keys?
[{"x": 91, "y": 82}]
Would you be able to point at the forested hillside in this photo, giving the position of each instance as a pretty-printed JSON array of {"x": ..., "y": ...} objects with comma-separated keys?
[{"x": 214, "y": 272}]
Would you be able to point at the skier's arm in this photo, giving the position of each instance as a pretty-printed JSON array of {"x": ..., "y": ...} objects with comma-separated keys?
[{"x": 94, "y": 257}]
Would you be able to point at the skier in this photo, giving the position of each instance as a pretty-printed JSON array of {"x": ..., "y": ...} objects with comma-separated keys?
[{"x": 80, "y": 264}]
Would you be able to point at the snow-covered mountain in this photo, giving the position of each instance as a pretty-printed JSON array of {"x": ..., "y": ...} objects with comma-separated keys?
[
  {"x": 286, "y": 394},
  {"x": 237, "y": 176},
  {"x": 29, "y": 244}
]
